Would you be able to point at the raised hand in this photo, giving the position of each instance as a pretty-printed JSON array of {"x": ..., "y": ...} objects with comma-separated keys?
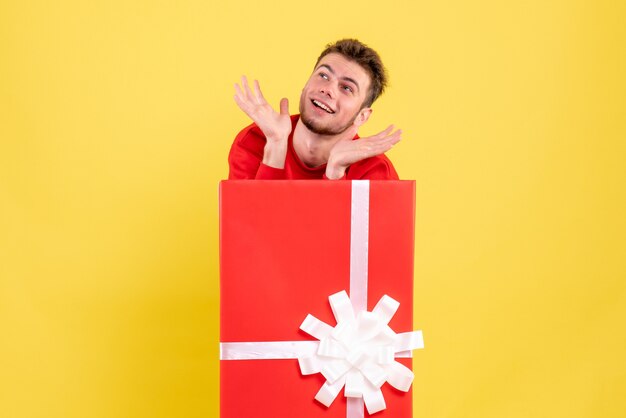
[
  {"x": 275, "y": 126},
  {"x": 347, "y": 151}
]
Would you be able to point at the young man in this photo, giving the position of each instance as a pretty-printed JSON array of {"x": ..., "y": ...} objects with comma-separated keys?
[{"x": 322, "y": 141}]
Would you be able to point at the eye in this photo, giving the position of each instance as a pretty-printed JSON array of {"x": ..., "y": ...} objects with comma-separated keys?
[
  {"x": 348, "y": 89},
  {"x": 324, "y": 76}
]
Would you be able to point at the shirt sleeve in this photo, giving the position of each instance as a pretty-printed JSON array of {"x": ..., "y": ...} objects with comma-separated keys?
[
  {"x": 245, "y": 160},
  {"x": 265, "y": 172},
  {"x": 246, "y": 154}
]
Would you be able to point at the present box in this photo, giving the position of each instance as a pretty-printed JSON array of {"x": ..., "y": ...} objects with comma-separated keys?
[{"x": 285, "y": 246}]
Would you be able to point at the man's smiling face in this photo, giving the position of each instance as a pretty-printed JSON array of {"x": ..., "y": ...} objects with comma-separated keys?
[{"x": 332, "y": 100}]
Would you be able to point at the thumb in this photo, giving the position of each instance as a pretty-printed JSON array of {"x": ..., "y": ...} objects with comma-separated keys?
[{"x": 284, "y": 106}]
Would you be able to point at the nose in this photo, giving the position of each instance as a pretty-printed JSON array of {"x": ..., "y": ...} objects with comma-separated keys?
[{"x": 327, "y": 90}]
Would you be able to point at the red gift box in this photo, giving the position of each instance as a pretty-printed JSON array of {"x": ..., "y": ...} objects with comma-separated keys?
[{"x": 285, "y": 246}]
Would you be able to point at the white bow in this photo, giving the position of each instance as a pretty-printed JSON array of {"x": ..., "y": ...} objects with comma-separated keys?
[{"x": 359, "y": 353}]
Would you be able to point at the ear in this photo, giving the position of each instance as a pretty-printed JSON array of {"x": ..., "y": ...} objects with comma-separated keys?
[{"x": 362, "y": 116}]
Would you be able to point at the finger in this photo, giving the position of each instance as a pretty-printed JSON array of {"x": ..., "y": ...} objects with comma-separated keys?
[
  {"x": 243, "y": 105},
  {"x": 246, "y": 87},
  {"x": 379, "y": 147},
  {"x": 260, "y": 96},
  {"x": 384, "y": 133},
  {"x": 240, "y": 98},
  {"x": 394, "y": 137},
  {"x": 238, "y": 91},
  {"x": 378, "y": 139},
  {"x": 284, "y": 106},
  {"x": 377, "y": 150}
]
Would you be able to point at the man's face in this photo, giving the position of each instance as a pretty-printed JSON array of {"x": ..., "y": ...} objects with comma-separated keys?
[{"x": 332, "y": 99}]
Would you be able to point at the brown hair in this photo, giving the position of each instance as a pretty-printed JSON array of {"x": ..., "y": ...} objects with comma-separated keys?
[{"x": 367, "y": 58}]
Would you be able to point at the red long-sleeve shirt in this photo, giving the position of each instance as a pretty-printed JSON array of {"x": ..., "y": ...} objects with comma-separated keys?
[{"x": 246, "y": 161}]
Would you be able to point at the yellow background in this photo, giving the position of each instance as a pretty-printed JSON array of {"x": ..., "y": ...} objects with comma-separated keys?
[{"x": 115, "y": 122}]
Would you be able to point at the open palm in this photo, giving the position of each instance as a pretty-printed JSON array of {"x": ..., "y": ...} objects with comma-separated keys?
[
  {"x": 348, "y": 151},
  {"x": 276, "y": 126}
]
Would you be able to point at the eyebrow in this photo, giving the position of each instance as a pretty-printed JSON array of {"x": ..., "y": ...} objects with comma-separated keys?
[{"x": 351, "y": 80}]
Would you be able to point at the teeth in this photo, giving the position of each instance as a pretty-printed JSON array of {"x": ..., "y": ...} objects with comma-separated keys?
[{"x": 323, "y": 106}]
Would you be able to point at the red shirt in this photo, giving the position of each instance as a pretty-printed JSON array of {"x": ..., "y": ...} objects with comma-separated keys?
[{"x": 246, "y": 156}]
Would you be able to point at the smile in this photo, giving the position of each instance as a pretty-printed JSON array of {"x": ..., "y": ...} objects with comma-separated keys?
[{"x": 322, "y": 106}]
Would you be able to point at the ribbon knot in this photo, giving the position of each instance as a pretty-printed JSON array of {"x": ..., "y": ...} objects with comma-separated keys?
[{"x": 358, "y": 354}]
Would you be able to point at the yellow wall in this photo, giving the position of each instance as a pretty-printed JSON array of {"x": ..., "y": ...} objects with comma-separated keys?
[{"x": 115, "y": 122}]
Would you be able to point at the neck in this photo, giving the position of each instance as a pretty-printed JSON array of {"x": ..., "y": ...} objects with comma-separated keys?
[{"x": 314, "y": 149}]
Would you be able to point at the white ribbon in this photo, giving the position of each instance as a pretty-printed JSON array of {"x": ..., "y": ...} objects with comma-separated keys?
[
  {"x": 358, "y": 353},
  {"x": 359, "y": 243}
]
